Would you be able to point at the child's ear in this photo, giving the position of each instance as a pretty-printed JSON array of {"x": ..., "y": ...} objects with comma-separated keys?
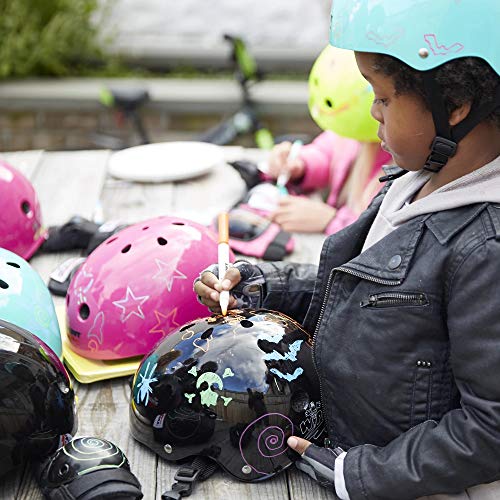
[{"x": 459, "y": 114}]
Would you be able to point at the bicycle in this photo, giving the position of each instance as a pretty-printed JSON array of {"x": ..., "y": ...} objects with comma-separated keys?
[{"x": 128, "y": 102}]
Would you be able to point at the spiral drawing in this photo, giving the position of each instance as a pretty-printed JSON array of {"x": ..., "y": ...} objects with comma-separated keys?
[
  {"x": 270, "y": 442},
  {"x": 95, "y": 452}
]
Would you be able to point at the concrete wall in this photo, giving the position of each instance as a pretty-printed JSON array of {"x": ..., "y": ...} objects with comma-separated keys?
[{"x": 287, "y": 32}]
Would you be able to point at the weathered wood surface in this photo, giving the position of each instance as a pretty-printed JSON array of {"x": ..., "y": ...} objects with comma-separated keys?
[{"x": 76, "y": 183}]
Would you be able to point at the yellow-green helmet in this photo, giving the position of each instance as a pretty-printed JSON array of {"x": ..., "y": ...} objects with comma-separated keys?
[{"x": 340, "y": 98}]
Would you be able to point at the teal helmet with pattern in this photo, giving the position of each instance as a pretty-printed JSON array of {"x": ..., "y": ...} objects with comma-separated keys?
[
  {"x": 425, "y": 34},
  {"x": 25, "y": 300},
  {"x": 422, "y": 33}
]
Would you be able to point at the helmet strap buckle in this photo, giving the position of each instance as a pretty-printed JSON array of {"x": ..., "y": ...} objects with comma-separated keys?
[
  {"x": 186, "y": 477},
  {"x": 441, "y": 151}
]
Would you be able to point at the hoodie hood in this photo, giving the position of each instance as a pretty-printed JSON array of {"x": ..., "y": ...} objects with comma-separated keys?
[{"x": 480, "y": 186}]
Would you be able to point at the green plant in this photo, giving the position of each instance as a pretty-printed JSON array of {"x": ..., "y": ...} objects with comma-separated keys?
[{"x": 48, "y": 37}]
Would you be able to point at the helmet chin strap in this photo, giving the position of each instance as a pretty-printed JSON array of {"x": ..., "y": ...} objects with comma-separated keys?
[{"x": 444, "y": 146}]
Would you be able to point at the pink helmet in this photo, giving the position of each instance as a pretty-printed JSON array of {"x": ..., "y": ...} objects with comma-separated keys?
[
  {"x": 21, "y": 229},
  {"x": 137, "y": 287}
]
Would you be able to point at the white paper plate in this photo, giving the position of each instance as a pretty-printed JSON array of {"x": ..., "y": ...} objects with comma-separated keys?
[{"x": 165, "y": 161}]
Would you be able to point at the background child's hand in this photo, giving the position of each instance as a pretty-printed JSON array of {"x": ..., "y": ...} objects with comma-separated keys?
[
  {"x": 208, "y": 287},
  {"x": 278, "y": 162},
  {"x": 302, "y": 215}
]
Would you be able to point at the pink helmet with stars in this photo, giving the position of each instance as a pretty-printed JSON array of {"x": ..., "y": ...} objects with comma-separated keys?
[
  {"x": 137, "y": 287},
  {"x": 21, "y": 229}
]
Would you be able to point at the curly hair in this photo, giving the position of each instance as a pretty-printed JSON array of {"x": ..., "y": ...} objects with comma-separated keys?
[{"x": 464, "y": 80}]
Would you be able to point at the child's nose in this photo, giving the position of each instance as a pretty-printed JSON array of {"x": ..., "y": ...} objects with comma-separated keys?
[{"x": 376, "y": 113}]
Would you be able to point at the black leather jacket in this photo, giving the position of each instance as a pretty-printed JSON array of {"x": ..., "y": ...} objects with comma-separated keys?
[{"x": 407, "y": 347}]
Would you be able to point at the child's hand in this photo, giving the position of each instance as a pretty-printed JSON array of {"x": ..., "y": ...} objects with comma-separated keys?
[
  {"x": 245, "y": 280},
  {"x": 208, "y": 287},
  {"x": 278, "y": 162},
  {"x": 302, "y": 215},
  {"x": 317, "y": 462}
]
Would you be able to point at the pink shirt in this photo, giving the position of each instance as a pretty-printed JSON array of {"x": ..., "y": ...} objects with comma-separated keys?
[{"x": 328, "y": 160}]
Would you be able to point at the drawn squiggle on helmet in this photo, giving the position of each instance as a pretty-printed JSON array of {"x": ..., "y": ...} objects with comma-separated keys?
[
  {"x": 95, "y": 332},
  {"x": 441, "y": 50},
  {"x": 271, "y": 441},
  {"x": 91, "y": 450},
  {"x": 385, "y": 40}
]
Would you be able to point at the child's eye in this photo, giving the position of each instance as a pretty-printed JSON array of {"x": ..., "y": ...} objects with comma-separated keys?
[{"x": 380, "y": 101}]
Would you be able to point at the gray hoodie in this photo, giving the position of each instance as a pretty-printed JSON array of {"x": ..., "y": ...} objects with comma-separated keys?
[{"x": 477, "y": 187}]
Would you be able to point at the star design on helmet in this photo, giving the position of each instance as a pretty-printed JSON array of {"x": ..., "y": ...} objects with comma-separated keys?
[
  {"x": 165, "y": 322},
  {"x": 168, "y": 273},
  {"x": 131, "y": 305}
]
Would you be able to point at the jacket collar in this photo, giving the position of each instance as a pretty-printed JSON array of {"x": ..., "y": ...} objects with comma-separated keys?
[
  {"x": 389, "y": 259},
  {"x": 446, "y": 224}
]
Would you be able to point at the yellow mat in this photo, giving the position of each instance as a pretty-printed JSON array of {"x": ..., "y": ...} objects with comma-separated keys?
[{"x": 86, "y": 370}]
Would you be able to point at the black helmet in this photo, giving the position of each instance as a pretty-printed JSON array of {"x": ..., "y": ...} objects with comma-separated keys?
[
  {"x": 232, "y": 389},
  {"x": 88, "y": 468},
  {"x": 37, "y": 408}
]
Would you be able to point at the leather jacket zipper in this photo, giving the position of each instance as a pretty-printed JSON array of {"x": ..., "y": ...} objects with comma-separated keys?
[
  {"x": 329, "y": 285},
  {"x": 389, "y": 299},
  {"x": 320, "y": 317}
]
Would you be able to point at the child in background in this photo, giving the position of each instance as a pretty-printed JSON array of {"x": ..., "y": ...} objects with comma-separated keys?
[
  {"x": 346, "y": 158},
  {"x": 404, "y": 305}
]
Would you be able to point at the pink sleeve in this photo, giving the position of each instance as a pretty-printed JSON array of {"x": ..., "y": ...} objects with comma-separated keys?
[
  {"x": 343, "y": 218},
  {"x": 318, "y": 157}
]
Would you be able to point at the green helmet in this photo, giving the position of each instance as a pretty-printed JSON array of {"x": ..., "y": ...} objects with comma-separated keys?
[
  {"x": 340, "y": 98},
  {"x": 25, "y": 301},
  {"x": 425, "y": 34}
]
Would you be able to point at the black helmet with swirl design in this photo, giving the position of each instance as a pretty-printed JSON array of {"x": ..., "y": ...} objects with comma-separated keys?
[
  {"x": 37, "y": 403},
  {"x": 230, "y": 388},
  {"x": 88, "y": 468}
]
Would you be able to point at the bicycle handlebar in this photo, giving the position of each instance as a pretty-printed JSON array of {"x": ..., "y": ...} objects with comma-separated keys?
[{"x": 244, "y": 62}]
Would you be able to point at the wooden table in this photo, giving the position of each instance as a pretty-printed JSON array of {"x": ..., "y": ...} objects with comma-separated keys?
[{"x": 70, "y": 183}]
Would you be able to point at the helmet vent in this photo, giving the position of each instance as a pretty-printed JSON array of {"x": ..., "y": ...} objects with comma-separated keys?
[
  {"x": 207, "y": 333},
  {"x": 329, "y": 103},
  {"x": 246, "y": 324},
  {"x": 67, "y": 299},
  {"x": 4, "y": 285},
  {"x": 178, "y": 224},
  {"x": 162, "y": 241},
  {"x": 125, "y": 249},
  {"x": 13, "y": 264},
  {"x": 111, "y": 240},
  {"x": 84, "y": 311},
  {"x": 185, "y": 327},
  {"x": 145, "y": 227},
  {"x": 26, "y": 207}
]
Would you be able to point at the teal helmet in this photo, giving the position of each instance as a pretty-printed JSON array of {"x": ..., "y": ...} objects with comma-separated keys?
[
  {"x": 422, "y": 33},
  {"x": 25, "y": 301},
  {"x": 425, "y": 34}
]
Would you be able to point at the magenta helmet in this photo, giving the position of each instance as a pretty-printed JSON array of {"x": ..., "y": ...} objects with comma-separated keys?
[
  {"x": 21, "y": 229},
  {"x": 137, "y": 287}
]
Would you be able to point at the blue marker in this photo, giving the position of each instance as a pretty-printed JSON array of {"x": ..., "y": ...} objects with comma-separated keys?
[{"x": 284, "y": 177}]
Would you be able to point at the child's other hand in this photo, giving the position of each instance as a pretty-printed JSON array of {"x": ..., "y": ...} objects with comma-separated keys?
[
  {"x": 302, "y": 215},
  {"x": 208, "y": 287},
  {"x": 278, "y": 162}
]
